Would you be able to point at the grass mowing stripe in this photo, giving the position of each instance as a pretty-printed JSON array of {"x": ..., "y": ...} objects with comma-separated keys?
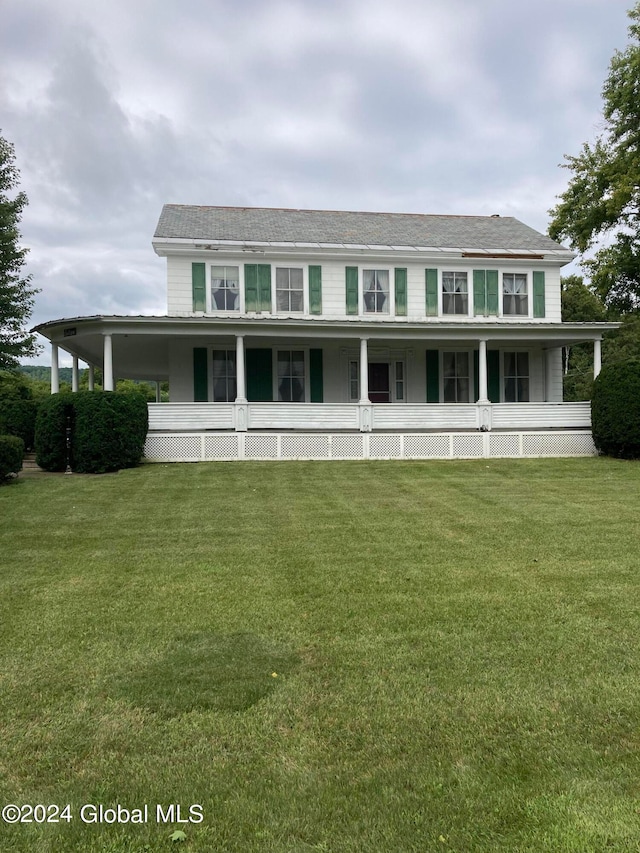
[{"x": 344, "y": 657}]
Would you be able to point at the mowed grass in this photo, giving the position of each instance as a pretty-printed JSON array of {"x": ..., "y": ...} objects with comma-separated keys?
[{"x": 325, "y": 656}]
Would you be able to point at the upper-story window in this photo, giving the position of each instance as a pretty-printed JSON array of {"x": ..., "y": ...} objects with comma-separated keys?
[
  {"x": 514, "y": 294},
  {"x": 289, "y": 289},
  {"x": 455, "y": 293},
  {"x": 225, "y": 289},
  {"x": 375, "y": 286}
]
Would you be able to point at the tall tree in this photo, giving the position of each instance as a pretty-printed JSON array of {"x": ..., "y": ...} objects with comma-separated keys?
[
  {"x": 16, "y": 293},
  {"x": 602, "y": 201}
]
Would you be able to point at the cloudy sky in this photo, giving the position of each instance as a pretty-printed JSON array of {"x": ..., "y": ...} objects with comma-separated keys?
[{"x": 418, "y": 106}]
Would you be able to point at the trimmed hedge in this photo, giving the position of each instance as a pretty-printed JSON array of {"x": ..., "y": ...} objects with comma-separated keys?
[
  {"x": 11, "y": 454},
  {"x": 51, "y": 431},
  {"x": 108, "y": 431},
  {"x": 615, "y": 410}
]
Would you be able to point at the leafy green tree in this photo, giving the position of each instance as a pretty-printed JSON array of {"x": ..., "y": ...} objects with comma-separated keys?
[
  {"x": 579, "y": 305},
  {"x": 602, "y": 201},
  {"x": 16, "y": 293}
]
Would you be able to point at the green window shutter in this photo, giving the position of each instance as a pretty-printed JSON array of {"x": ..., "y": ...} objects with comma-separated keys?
[
  {"x": 401, "y": 292},
  {"x": 250, "y": 287},
  {"x": 479, "y": 292},
  {"x": 199, "y": 287},
  {"x": 431, "y": 293},
  {"x": 493, "y": 375},
  {"x": 492, "y": 292},
  {"x": 315, "y": 376},
  {"x": 258, "y": 363},
  {"x": 264, "y": 287},
  {"x": 351, "y": 279},
  {"x": 200, "y": 377},
  {"x": 538, "y": 294},
  {"x": 315, "y": 290},
  {"x": 433, "y": 376}
]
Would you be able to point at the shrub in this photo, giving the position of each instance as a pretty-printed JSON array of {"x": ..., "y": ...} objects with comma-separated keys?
[
  {"x": 109, "y": 431},
  {"x": 51, "y": 431},
  {"x": 615, "y": 410},
  {"x": 11, "y": 453},
  {"x": 17, "y": 407}
]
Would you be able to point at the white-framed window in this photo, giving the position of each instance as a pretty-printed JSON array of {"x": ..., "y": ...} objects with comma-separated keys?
[
  {"x": 354, "y": 381},
  {"x": 289, "y": 289},
  {"x": 400, "y": 380},
  {"x": 224, "y": 376},
  {"x": 455, "y": 293},
  {"x": 457, "y": 377},
  {"x": 225, "y": 288},
  {"x": 290, "y": 376},
  {"x": 516, "y": 377},
  {"x": 375, "y": 291},
  {"x": 515, "y": 300}
]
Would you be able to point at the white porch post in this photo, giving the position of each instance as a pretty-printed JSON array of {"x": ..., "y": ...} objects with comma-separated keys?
[
  {"x": 483, "y": 392},
  {"x": 241, "y": 382},
  {"x": 107, "y": 371},
  {"x": 92, "y": 377},
  {"x": 366, "y": 411},
  {"x": 55, "y": 374},
  {"x": 158, "y": 397},
  {"x": 241, "y": 407},
  {"x": 364, "y": 371},
  {"x": 597, "y": 357},
  {"x": 74, "y": 374}
]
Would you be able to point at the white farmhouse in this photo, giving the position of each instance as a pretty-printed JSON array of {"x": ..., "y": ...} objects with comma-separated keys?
[{"x": 333, "y": 334}]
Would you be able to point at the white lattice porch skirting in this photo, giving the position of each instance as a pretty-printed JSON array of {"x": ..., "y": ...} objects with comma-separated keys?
[{"x": 231, "y": 446}]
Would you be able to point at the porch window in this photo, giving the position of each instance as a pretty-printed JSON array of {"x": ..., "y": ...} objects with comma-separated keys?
[
  {"x": 456, "y": 377},
  {"x": 225, "y": 289},
  {"x": 376, "y": 291},
  {"x": 399, "y": 380},
  {"x": 291, "y": 376},
  {"x": 514, "y": 294},
  {"x": 224, "y": 376},
  {"x": 354, "y": 381},
  {"x": 516, "y": 377},
  {"x": 455, "y": 293},
  {"x": 289, "y": 289}
]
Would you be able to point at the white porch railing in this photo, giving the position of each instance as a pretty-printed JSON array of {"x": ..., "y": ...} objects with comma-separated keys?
[{"x": 198, "y": 417}]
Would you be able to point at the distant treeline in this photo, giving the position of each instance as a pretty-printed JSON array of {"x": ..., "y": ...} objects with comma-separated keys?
[{"x": 41, "y": 372}]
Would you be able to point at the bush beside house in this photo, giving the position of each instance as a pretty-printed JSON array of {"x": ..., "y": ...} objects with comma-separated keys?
[
  {"x": 11, "y": 453},
  {"x": 108, "y": 431},
  {"x": 17, "y": 408},
  {"x": 615, "y": 410}
]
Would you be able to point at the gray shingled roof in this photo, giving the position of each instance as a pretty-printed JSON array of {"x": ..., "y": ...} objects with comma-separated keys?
[{"x": 272, "y": 225}]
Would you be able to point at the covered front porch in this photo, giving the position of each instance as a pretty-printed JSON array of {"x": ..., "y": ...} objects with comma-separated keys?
[{"x": 292, "y": 388}]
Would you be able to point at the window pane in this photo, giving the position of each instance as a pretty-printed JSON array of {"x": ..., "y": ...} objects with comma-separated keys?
[
  {"x": 449, "y": 363},
  {"x": 449, "y": 390},
  {"x": 509, "y": 364},
  {"x": 510, "y": 391}
]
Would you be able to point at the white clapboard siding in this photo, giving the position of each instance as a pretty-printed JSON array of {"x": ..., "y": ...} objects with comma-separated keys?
[
  {"x": 191, "y": 416},
  {"x": 303, "y": 416},
  {"x": 540, "y": 415},
  {"x": 425, "y": 416}
]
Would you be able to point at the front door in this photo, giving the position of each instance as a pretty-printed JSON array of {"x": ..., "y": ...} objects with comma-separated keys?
[{"x": 379, "y": 390}]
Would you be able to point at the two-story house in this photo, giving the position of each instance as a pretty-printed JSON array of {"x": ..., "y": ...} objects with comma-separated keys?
[{"x": 333, "y": 334}]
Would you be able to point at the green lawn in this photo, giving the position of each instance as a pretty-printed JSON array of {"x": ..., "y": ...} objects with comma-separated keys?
[{"x": 439, "y": 656}]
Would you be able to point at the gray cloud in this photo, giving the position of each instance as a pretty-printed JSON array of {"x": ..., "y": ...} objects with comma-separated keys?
[{"x": 439, "y": 106}]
